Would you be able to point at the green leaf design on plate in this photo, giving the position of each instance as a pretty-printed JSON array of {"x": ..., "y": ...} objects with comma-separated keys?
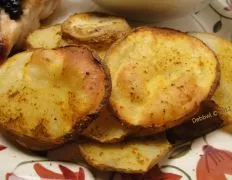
[
  {"x": 180, "y": 151},
  {"x": 217, "y": 26}
]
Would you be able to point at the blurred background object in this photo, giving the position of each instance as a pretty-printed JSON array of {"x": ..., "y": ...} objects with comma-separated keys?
[{"x": 150, "y": 10}]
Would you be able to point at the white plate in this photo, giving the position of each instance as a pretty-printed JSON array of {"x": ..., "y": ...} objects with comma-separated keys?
[{"x": 202, "y": 159}]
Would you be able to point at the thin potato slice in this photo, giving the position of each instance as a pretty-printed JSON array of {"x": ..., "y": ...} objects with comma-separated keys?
[
  {"x": 223, "y": 95},
  {"x": 160, "y": 77},
  {"x": 47, "y": 96},
  {"x": 106, "y": 128},
  {"x": 129, "y": 157},
  {"x": 95, "y": 28},
  {"x": 47, "y": 37}
]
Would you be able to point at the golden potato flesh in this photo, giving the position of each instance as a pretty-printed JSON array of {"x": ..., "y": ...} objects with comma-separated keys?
[
  {"x": 160, "y": 77},
  {"x": 47, "y": 37},
  {"x": 106, "y": 128},
  {"x": 223, "y": 95},
  {"x": 129, "y": 157},
  {"x": 49, "y": 95}
]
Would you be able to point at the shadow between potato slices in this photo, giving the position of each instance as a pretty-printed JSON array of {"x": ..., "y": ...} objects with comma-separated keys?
[
  {"x": 107, "y": 128},
  {"x": 47, "y": 96}
]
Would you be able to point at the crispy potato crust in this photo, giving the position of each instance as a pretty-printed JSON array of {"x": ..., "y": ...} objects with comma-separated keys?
[
  {"x": 47, "y": 96},
  {"x": 223, "y": 95},
  {"x": 160, "y": 77},
  {"x": 128, "y": 157}
]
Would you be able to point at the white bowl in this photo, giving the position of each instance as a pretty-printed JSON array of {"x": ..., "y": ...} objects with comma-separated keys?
[{"x": 152, "y": 10}]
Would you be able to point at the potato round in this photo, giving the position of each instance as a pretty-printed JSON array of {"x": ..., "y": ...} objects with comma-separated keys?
[
  {"x": 46, "y": 96},
  {"x": 95, "y": 28},
  {"x": 223, "y": 95},
  {"x": 160, "y": 77},
  {"x": 136, "y": 156}
]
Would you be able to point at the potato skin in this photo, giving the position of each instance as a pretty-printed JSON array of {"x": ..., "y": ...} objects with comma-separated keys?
[
  {"x": 31, "y": 143},
  {"x": 213, "y": 87},
  {"x": 39, "y": 137}
]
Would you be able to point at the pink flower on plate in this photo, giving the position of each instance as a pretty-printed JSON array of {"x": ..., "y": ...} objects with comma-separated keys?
[
  {"x": 214, "y": 164},
  {"x": 229, "y": 7},
  {"x": 11, "y": 176},
  {"x": 2, "y": 147},
  {"x": 45, "y": 174},
  {"x": 67, "y": 174},
  {"x": 153, "y": 174}
]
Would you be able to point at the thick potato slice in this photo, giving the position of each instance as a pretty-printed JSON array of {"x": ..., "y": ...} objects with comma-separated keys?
[
  {"x": 47, "y": 37},
  {"x": 129, "y": 157},
  {"x": 160, "y": 77},
  {"x": 96, "y": 29},
  {"x": 106, "y": 128},
  {"x": 223, "y": 95},
  {"x": 47, "y": 96}
]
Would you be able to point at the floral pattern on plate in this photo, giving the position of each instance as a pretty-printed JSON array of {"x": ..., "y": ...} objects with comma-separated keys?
[
  {"x": 214, "y": 164},
  {"x": 48, "y": 170},
  {"x": 223, "y": 7}
]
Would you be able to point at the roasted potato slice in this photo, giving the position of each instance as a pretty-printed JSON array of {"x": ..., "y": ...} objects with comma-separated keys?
[
  {"x": 47, "y": 37},
  {"x": 160, "y": 77},
  {"x": 129, "y": 157},
  {"x": 95, "y": 29},
  {"x": 106, "y": 128},
  {"x": 47, "y": 96},
  {"x": 223, "y": 95}
]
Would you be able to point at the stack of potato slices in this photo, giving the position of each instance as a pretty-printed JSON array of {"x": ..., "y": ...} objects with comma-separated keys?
[{"x": 159, "y": 79}]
